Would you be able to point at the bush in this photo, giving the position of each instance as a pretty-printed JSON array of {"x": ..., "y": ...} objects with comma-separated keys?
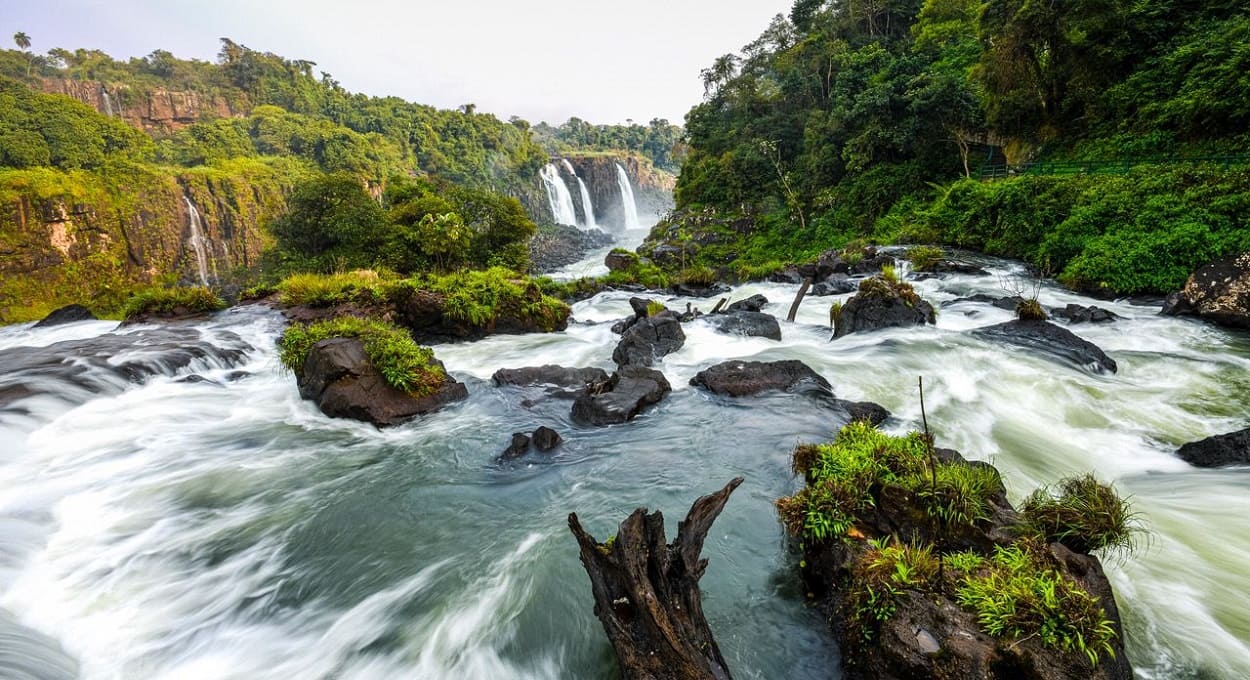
[
  {"x": 404, "y": 364},
  {"x": 480, "y": 298},
  {"x": 1030, "y": 310},
  {"x": 924, "y": 258},
  {"x": 1086, "y": 515},
  {"x": 198, "y": 299},
  {"x": 325, "y": 290}
]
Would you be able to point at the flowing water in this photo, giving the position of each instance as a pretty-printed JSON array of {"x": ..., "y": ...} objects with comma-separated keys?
[
  {"x": 223, "y": 528},
  {"x": 197, "y": 242},
  {"x": 558, "y": 197},
  {"x": 628, "y": 204}
]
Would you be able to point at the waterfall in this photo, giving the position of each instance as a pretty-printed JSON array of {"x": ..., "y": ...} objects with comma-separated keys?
[
  {"x": 627, "y": 199},
  {"x": 197, "y": 241},
  {"x": 587, "y": 206},
  {"x": 558, "y": 196},
  {"x": 108, "y": 102}
]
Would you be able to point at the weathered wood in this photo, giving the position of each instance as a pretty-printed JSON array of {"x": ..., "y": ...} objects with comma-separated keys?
[
  {"x": 723, "y": 301},
  {"x": 647, "y": 593},
  {"x": 794, "y": 308}
]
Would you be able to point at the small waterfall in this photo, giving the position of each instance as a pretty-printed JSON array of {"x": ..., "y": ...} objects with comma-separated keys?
[
  {"x": 558, "y": 196},
  {"x": 108, "y": 102},
  {"x": 587, "y": 206},
  {"x": 627, "y": 199},
  {"x": 197, "y": 241}
]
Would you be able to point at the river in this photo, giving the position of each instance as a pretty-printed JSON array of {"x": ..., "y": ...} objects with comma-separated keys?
[{"x": 224, "y": 528}]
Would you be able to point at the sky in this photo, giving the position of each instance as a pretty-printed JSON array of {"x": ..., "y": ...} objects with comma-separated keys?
[{"x": 605, "y": 62}]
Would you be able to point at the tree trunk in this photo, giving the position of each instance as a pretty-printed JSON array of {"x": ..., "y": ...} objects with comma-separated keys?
[
  {"x": 794, "y": 308},
  {"x": 647, "y": 593}
]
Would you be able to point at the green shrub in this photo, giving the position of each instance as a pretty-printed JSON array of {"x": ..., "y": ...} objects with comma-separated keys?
[
  {"x": 1085, "y": 515},
  {"x": 191, "y": 300},
  {"x": 325, "y": 290},
  {"x": 404, "y": 364},
  {"x": 1030, "y": 310},
  {"x": 480, "y": 298},
  {"x": 881, "y": 574},
  {"x": 698, "y": 276},
  {"x": 654, "y": 307},
  {"x": 924, "y": 258}
]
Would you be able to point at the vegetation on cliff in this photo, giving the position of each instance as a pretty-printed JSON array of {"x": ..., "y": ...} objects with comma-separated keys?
[{"x": 659, "y": 140}]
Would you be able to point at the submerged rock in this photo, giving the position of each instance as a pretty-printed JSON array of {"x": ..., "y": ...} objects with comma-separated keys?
[
  {"x": 519, "y": 446},
  {"x": 546, "y": 439},
  {"x": 559, "y": 380},
  {"x": 1052, "y": 340},
  {"x": 344, "y": 383},
  {"x": 622, "y": 397},
  {"x": 649, "y": 339},
  {"x": 1075, "y": 313},
  {"x": 688, "y": 290},
  {"x": 755, "y": 303},
  {"x": 742, "y": 378},
  {"x": 863, "y": 410},
  {"x": 1008, "y": 303},
  {"x": 882, "y": 304},
  {"x": 838, "y": 284},
  {"x": 1218, "y": 292},
  {"x": 66, "y": 314},
  {"x": 750, "y": 324},
  {"x": 1219, "y": 451}
]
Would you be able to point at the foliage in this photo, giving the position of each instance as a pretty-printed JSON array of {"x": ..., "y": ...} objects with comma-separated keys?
[
  {"x": 659, "y": 140},
  {"x": 326, "y": 290},
  {"x": 1030, "y": 310},
  {"x": 333, "y": 222},
  {"x": 699, "y": 277},
  {"x": 655, "y": 307},
  {"x": 41, "y": 129},
  {"x": 481, "y": 298},
  {"x": 924, "y": 258},
  {"x": 404, "y": 364},
  {"x": 173, "y": 300},
  {"x": 1086, "y": 515},
  {"x": 882, "y": 573}
]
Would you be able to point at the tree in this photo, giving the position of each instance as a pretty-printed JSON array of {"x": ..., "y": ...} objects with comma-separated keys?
[
  {"x": 22, "y": 40},
  {"x": 334, "y": 222}
]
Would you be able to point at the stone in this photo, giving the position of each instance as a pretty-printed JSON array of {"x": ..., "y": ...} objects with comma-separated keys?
[
  {"x": 864, "y": 410},
  {"x": 838, "y": 284},
  {"x": 743, "y": 378},
  {"x": 558, "y": 379},
  {"x": 649, "y": 339},
  {"x": 1052, "y": 340},
  {"x": 562, "y": 245},
  {"x": 519, "y": 447},
  {"x": 754, "y": 303},
  {"x": 545, "y": 439},
  {"x": 882, "y": 307},
  {"x": 618, "y": 262},
  {"x": 1219, "y": 451},
  {"x": 1218, "y": 292},
  {"x": 1075, "y": 313},
  {"x": 687, "y": 290},
  {"x": 66, "y": 314},
  {"x": 622, "y": 397},
  {"x": 750, "y": 324}
]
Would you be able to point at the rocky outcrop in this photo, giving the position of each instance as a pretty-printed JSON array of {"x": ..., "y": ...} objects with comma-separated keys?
[
  {"x": 1051, "y": 340},
  {"x": 157, "y": 111},
  {"x": 66, "y": 314},
  {"x": 881, "y": 303},
  {"x": 558, "y": 380},
  {"x": 424, "y": 313},
  {"x": 743, "y": 378},
  {"x": 555, "y": 247},
  {"x": 622, "y": 397},
  {"x": 649, "y": 339},
  {"x": 1218, "y": 292},
  {"x": 344, "y": 383},
  {"x": 1074, "y": 313},
  {"x": 653, "y": 188},
  {"x": 748, "y": 324},
  {"x": 1219, "y": 451},
  {"x": 544, "y": 439}
]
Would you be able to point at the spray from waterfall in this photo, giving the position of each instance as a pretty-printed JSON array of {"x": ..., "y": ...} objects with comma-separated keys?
[
  {"x": 628, "y": 204},
  {"x": 197, "y": 241},
  {"x": 558, "y": 196},
  {"x": 587, "y": 206}
]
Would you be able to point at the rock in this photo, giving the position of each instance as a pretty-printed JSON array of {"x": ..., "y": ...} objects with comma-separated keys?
[
  {"x": 555, "y": 247},
  {"x": 881, "y": 304},
  {"x": 339, "y": 377},
  {"x": 519, "y": 447},
  {"x": 649, "y": 339},
  {"x": 743, "y": 378},
  {"x": 788, "y": 275},
  {"x": 864, "y": 410},
  {"x": 618, "y": 261},
  {"x": 1008, "y": 303},
  {"x": 621, "y": 397},
  {"x": 66, "y": 314},
  {"x": 1218, "y": 451},
  {"x": 838, "y": 284},
  {"x": 546, "y": 439},
  {"x": 1050, "y": 339},
  {"x": 686, "y": 290},
  {"x": 956, "y": 267},
  {"x": 750, "y": 324},
  {"x": 754, "y": 303},
  {"x": 559, "y": 380},
  {"x": 872, "y": 264},
  {"x": 1074, "y": 313},
  {"x": 1218, "y": 292},
  {"x": 1175, "y": 304},
  {"x": 829, "y": 263}
]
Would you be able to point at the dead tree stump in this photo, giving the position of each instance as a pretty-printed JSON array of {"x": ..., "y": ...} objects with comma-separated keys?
[{"x": 647, "y": 593}]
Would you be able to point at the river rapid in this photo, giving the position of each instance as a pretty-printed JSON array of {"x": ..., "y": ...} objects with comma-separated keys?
[{"x": 224, "y": 528}]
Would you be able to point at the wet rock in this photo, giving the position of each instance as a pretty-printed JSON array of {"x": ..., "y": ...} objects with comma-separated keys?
[
  {"x": 1218, "y": 451},
  {"x": 559, "y": 380},
  {"x": 1218, "y": 292},
  {"x": 519, "y": 446},
  {"x": 872, "y": 264},
  {"x": 754, "y": 303},
  {"x": 789, "y": 275},
  {"x": 829, "y": 263},
  {"x": 649, "y": 339},
  {"x": 750, "y": 324},
  {"x": 743, "y": 378},
  {"x": 235, "y": 376},
  {"x": 620, "y": 261},
  {"x": 1175, "y": 304},
  {"x": 956, "y": 267},
  {"x": 1075, "y": 313},
  {"x": 881, "y": 304},
  {"x": 545, "y": 439},
  {"x": 196, "y": 378},
  {"x": 555, "y": 247},
  {"x": 687, "y": 290},
  {"x": 622, "y": 397},
  {"x": 864, "y": 410},
  {"x": 1008, "y": 303},
  {"x": 1055, "y": 341},
  {"x": 67, "y": 314},
  {"x": 838, "y": 284},
  {"x": 339, "y": 377}
]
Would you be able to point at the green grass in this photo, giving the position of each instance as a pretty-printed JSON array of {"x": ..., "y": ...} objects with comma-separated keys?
[
  {"x": 198, "y": 299},
  {"x": 1084, "y": 515},
  {"x": 404, "y": 364},
  {"x": 481, "y": 297},
  {"x": 882, "y": 573},
  {"x": 924, "y": 258},
  {"x": 327, "y": 290},
  {"x": 1030, "y": 310},
  {"x": 698, "y": 276}
]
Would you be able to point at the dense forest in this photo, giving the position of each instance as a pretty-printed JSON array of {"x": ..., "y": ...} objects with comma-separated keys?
[
  {"x": 855, "y": 119},
  {"x": 659, "y": 140}
]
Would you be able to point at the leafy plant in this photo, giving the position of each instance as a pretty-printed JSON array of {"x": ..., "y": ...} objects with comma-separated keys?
[
  {"x": 191, "y": 300},
  {"x": 404, "y": 364},
  {"x": 1084, "y": 515},
  {"x": 924, "y": 258}
]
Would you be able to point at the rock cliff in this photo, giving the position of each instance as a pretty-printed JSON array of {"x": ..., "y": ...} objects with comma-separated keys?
[
  {"x": 157, "y": 111},
  {"x": 653, "y": 188}
]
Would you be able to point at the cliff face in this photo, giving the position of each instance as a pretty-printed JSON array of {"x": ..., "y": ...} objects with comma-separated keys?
[
  {"x": 79, "y": 237},
  {"x": 158, "y": 112},
  {"x": 653, "y": 188}
]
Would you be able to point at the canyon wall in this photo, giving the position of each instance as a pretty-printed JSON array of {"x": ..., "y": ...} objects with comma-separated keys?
[{"x": 158, "y": 111}]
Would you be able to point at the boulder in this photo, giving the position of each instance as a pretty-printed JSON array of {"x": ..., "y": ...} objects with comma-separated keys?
[
  {"x": 546, "y": 439},
  {"x": 882, "y": 304},
  {"x": 687, "y": 290},
  {"x": 750, "y": 324},
  {"x": 838, "y": 284},
  {"x": 1218, "y": 451},
  {"x": 619, "y": 262},
  {"x": 742, "y": 378},
  {"x": 872, "y": 263},
  {"x": 754, "y": 303},
  {"x": 863, "y": 410},
  {"x": 344, "y": 383},
  {"x": 562, "y": 245},
  {"x": 558, "y": 380},
  {"x": 1074, "y": 313},
  {"x": 649, "y": 339},
  {"x": 1055, "y": 341},
  {"x": 621, "y": 397},
  {"x": 519, "y": 447},
  {"x": 1008, "y": 303},
  {"x": 956, "y": 267},
  {"x": 788, "y": 275},
  {"x": 67, "y": 314},
  {"x": 1218, "y": 292}
]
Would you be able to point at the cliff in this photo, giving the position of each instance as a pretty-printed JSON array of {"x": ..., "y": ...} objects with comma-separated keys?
[
  {"x": 157, "y": 111},
  {"x": 653, "y": 188}
]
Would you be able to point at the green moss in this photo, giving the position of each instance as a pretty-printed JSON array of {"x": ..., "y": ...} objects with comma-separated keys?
[
  {"x": 404, "y": 364},
  {"x": 654, "y": 308},
  {"x": 192, "y": 300},
  {"x": 1085, "y": 515}
]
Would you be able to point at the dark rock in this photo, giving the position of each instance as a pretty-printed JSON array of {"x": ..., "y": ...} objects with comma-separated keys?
[
  {"x": 956, "y": 267},
  {"x": 196, "y": 378},
  {"x": 838, "y": 284},
  {"x": 235, "y": 376},
  {"x": 864, "y": 410},
  {"x": 754, "y": 303},
  {"x": 640, "y": 305},
  {"x": 649, "y": 339},
  {"x": 1008, "y": 303},
  {"x": 686, "y": 290},
  {"x": 1218, "y": 451},
  {"x": 561, "y": 380},
  {"x": 667, "y": 255},
  {"x": 624, "y": 324},
  {"x": 621, "y": 397},
  {"x": 1175, "y": 304},
  {"x": 339, "y": 377},
  {"x": 67, "y": 314},
  {"x": 742, "y": 378},
  {"x": 872, "y": 264},
  {"x": 1050, "y": 339},
  {"x": 519, "y": 447},
  {"x": 868, "y": 312},
  {"x": 751, "y": 324},
  {"x": 1218, "y": 292},
  {"x": 828, "y": 264},
  {"x": 555, "y": 247},
  {"x": 546, "y": 439},
  {"x": 788, "y": 275},
  {"x": 1074, "y": 313},
  {"x": 617, "y": 262}
]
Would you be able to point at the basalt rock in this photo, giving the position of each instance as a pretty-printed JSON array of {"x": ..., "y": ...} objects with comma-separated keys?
[
  {"x": 750, "y": 324},
  {"x": 697, "y": 291},
  {"x": 1218, "y": 451},
  {"x": 1008, "y": 303},
  {"x": 622, "y": 397},
  {"x": 545, "y": 439},
  {"x": 863, "y": 410},
  {"x": 558, "y": 380},
  {"x": 66, "y": 314},
  {"x": 956, "y": 267},
  {"x": 344, "y": 383},
  {"x": 555, "y": 247},
  {"x": 1052, "y": 340},
  {"x": 1218, "y": 292},
  {"x": 620, "y": 261},
  {"x": 882, "y": 305},
  {"x": 649, "y": 339},
  {"x": 838, "y": 284},
  {"x": 1074, "y": 313},
  {"x": 519, "y": 446},
  {"x": 754, "y": 303},
  {"x": 742, "y": 378}
]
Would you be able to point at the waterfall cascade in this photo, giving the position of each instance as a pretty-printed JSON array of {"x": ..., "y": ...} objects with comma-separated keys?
[
  {"x": 558, "y": 196},
  {"x": 587, "y": 206},
  {"x": 108, "y": 102},
  {"x": 628, "y": 204},
  {"x": 197, "y": 241}
]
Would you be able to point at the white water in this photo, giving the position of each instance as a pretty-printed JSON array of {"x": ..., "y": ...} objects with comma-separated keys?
[
  {"x": 628, "y": 205},
  {"x": 108, "y": 103},
  {"x": 197, "y": 242},
  {"x": 587, "y": 206},
  {"x": 558, "y": 196},
  {"x": 227, "y": 530}
]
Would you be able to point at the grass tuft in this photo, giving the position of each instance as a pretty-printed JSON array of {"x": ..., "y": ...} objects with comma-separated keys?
[
  {"x": 1030, "y": 310},
  {"x": 924, "y": 258},
  {"x": 170, "y": 300},
  {"x": 404, "y": 364},
  {"x": 1085, "y": 515}
]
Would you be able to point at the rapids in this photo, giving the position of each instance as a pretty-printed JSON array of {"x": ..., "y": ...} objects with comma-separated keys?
[{"x": 223, "y": 528}]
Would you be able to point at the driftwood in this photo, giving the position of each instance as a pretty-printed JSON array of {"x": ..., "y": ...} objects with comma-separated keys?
[
  {"x": 794, "y": 308},
  {"x": 647, "y": 593},
  {"x": 720, "y": 304}
]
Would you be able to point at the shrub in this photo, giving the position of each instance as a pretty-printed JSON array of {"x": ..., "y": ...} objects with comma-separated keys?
[
  {"x": 173, "y": 300},
  {"x": 1030, "y": 310},
  {"x": 1086, "y": 515},
  {"x": 654, "y": 307},
  {"x": 924, "y": 258},
  {"x": 881, "y": 574},
  {"x": 404, "y": 364},
  {"x": 699, "y": 277},
  {"x": 325, "y": 290},
  {"x": 480, "y": 298}
]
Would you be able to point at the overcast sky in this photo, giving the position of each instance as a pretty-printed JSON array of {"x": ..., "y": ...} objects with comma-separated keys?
[{"x": 601, "y": 61}]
